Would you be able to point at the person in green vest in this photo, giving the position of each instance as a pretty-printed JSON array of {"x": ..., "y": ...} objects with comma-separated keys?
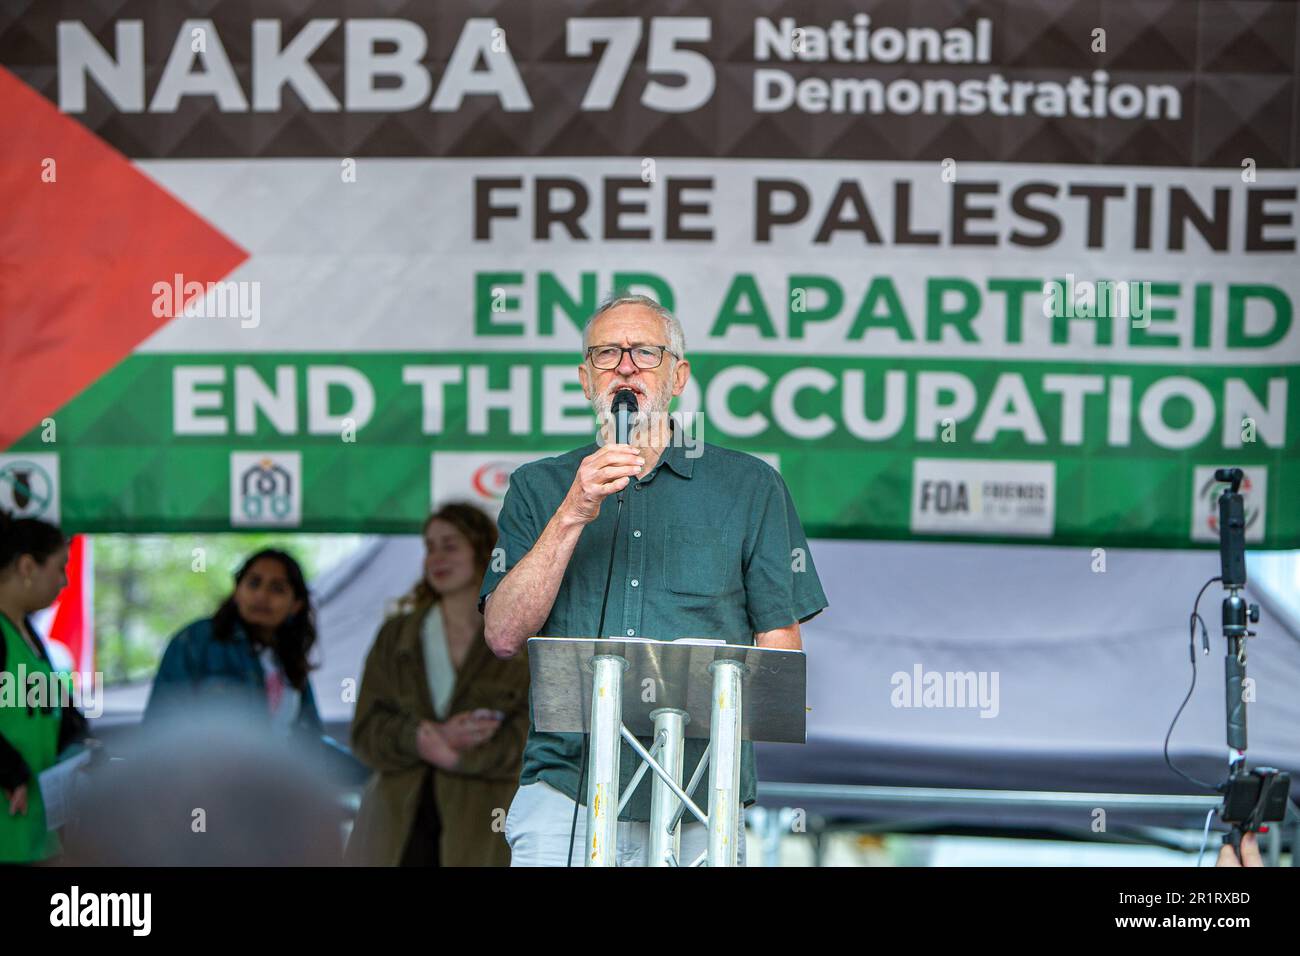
[{"x": 36, "y": 720}]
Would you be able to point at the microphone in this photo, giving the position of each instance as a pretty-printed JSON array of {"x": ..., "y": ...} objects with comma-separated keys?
[{"x": 624, "y": 409}]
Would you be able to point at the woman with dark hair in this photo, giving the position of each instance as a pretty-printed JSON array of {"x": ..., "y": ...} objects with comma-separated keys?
[
  {"x": 440, "y": 719},
  {"x": 252, "y": 653},
  {"x": 33, "y": 731}
]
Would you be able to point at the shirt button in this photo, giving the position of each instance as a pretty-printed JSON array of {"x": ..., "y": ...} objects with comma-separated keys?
[
  {"x": 636, "y": 534},
  {"x": 631, "y": 632},
  {"x": 635, "y": 582}
]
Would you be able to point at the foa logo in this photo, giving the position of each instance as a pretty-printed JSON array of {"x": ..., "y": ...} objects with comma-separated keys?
[
  {"x": 945, "y": 496},
  {"x": 981, "y": 497}
]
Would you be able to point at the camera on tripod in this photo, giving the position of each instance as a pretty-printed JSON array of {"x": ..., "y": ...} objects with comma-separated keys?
[{"x": 1250, "y": 797}]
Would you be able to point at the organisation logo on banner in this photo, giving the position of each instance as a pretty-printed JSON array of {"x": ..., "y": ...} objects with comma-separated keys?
[
  {"x": 1205, "y": 501},
  {"x": 1016, "y": 498},
  {"x": 480, "y": 478},
  {"x": 265, "y": 489},
  {"x": 29, "y": 486}
]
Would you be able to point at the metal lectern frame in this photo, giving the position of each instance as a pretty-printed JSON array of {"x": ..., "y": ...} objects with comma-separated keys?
[{"x": 597, "y": 686}]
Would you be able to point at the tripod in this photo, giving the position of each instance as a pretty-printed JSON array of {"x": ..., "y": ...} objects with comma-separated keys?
[{"x": 1250, "y": 797}]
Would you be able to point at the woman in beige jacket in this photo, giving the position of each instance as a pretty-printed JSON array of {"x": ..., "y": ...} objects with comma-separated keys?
[{"x": 439, "y": 718}]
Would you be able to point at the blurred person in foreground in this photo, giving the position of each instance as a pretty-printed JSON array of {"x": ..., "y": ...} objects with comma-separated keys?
[
  {"x": 37, "y": 721},
  {"x": 208, "y": 788},
  {"x": 251, "y": 654},
  {"x": 439, "y": 718}
]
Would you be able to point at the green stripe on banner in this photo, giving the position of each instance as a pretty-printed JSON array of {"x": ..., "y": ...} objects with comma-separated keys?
[{"x": 149, "y": 446}]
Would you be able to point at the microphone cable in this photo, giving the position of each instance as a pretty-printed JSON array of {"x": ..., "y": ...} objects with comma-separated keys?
[
  {"x": 1205, "y": 641},
  {"x": 600, "y": 634}
]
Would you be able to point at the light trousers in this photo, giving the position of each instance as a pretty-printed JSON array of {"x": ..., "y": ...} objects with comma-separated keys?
[{"x": 540, "y": 819}]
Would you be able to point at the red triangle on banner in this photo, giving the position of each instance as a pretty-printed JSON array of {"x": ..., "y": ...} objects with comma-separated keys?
[{"x": 79, "y": 256}]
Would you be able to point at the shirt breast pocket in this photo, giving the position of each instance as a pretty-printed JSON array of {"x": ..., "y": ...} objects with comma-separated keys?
[{"x": 696, "y": 560}]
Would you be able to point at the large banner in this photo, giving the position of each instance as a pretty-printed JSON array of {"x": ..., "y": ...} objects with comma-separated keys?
[{"x": 988, "y": 270}]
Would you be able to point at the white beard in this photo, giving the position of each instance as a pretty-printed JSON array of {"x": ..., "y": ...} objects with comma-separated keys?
[{"x": 650, "y": 408}]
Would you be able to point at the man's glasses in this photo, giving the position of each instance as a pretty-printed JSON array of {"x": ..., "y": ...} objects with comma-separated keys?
[{"x": 606, "y": 357}]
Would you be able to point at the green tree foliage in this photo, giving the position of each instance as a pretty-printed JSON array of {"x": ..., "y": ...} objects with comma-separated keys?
[{"x": 147, "y": 587}]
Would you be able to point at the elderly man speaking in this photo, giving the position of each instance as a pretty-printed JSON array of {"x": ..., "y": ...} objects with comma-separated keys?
[{"x": 712, "y": 547}]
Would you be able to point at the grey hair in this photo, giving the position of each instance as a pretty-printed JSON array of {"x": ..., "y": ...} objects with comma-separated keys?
[{"x": 676, "y": 338}]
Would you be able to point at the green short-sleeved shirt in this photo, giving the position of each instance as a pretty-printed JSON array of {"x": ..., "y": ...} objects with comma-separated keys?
[{"x": 710, "y": 546}]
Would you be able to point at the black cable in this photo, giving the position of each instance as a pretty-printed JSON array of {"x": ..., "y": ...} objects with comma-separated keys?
[
  {"x": 600, "y": 633},
  {"x": 1205, "y": 640}
]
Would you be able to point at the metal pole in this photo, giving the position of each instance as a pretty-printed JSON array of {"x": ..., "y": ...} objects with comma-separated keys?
[
  {"x": 635, "y": 782},
  {"x": 724, "y": 764},
  {"x": 602, "y": 762},
  {"x": 630, "y": 739},
  {"x": 665, "y": 836},
  {"x": 696, "y": 777}
]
